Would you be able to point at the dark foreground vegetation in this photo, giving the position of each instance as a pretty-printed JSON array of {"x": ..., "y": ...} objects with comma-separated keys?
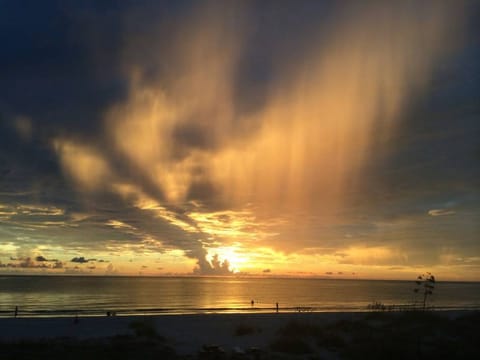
[
  {"x": 377, "y": 335},
  {"x": 115, "y": 348},
  {"x": 408, "y": 335}
]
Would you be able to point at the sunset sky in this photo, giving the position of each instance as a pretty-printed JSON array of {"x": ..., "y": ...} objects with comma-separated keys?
[{"x": 332, "y": 139}]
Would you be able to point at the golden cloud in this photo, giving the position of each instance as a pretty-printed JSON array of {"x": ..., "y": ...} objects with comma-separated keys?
[{"x": 310, "y": 139}]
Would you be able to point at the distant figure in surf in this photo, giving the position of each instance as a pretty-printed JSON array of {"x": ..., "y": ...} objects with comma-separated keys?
[
  {"x": 16, "y": 311},
  {"x": 277, "y": 306},
  {"x": 252, "y": 303}
]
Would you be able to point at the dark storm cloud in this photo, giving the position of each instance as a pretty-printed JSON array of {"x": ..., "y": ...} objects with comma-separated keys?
[
  {"x": 50, "y": 71},
  {"x": 54, "y": 57}
]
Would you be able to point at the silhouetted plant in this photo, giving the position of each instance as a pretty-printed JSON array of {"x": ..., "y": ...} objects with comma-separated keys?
[{"x": 425, "y": 284}]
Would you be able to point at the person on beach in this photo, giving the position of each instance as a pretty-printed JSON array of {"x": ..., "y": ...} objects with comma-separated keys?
[
  {"x": 16, "y": 311},
  {"x": 252, "y": 303},
  {"x": 277, "y": 306}
]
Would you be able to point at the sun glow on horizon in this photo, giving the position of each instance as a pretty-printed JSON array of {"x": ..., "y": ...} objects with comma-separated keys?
[{"x": 237, "y": 261}]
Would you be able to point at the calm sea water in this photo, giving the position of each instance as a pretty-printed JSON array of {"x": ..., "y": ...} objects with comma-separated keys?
[{"x": 64, "y": 296}]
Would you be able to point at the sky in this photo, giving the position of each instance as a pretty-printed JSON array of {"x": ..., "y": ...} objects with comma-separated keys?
[{"x": 240, "y": 138}]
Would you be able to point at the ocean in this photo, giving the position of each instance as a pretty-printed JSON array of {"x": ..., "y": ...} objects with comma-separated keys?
[{"x": 38, "y": 296}]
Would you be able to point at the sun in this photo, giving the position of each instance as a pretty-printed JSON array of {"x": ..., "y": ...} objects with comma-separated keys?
[{"x": 233, "y": 254}]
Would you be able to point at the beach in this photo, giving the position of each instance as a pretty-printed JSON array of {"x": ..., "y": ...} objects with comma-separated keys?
[{"x": 285, "y": 335}]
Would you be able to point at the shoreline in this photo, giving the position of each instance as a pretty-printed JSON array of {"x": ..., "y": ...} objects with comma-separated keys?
[{"x": 68, "y": 313}]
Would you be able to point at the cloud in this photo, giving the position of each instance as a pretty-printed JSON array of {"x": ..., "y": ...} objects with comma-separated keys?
[
  {"x": 110, "y": 270},
  {"x": 156, "y": 144},
  {"x": 30, "y": 211},
  {"x": 38, "y": 263},
  {"x": 440, "y": 212},
  {"x": 23, "y": 126},
  {"x": 27, "y": 263},
  {"x": 41, "y": 258},
  {"x": 212, "y": 126},
  {"x": 213, "y": 267},
  {"x": 82, "y": 163},
  {"x": 58, "y": 265}
]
